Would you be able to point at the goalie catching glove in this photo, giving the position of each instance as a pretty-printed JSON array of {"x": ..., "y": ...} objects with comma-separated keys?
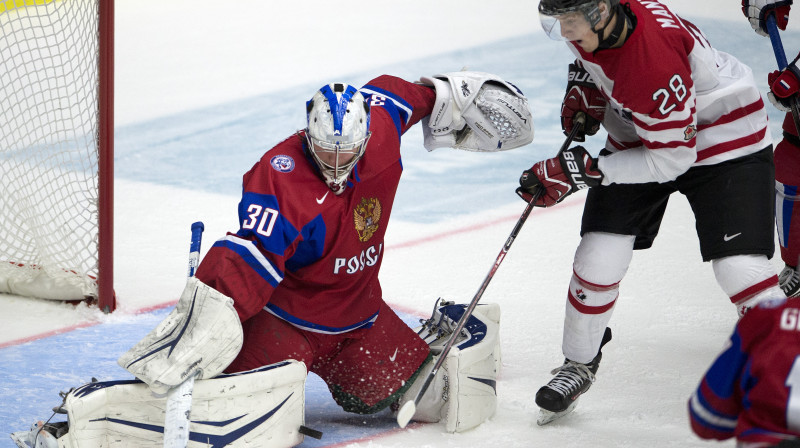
[
  {"x": 476, "y": 111},
  {"x": 552, "y": 180}
]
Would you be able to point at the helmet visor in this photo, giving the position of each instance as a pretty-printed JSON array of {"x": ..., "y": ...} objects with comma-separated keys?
[{"x": 570, "y": 25}]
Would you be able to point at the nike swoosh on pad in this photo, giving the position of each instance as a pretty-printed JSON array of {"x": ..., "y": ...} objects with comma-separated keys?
[
  {"x": 728, "y": 238},
  {"x": 321, "y": 200},
  {"x": 391, "y": 358}
]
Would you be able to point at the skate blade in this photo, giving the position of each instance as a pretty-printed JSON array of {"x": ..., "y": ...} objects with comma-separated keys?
[
  {"x": 19, "y": 438},
  {"x": 546, "y": 416}
]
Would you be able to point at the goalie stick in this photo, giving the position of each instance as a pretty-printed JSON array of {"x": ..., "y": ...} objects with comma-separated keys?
[
  {"x": 179, "y": 398},
  {"x": 780, "y": 56},
  {"x": 409, "y": 408}
]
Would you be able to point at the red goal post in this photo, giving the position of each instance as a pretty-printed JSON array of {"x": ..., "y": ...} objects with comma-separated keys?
[{"x": 57, "y": 149}]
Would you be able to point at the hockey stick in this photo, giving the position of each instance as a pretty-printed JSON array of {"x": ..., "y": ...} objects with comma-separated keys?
[
  {"x": 179, "y": 398},
  {"x": 409, "y": 408},
  {"x": 780, "y": 56}
]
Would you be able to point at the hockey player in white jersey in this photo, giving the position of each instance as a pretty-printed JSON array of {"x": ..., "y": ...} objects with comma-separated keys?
[{"x": 681, "y": 117}]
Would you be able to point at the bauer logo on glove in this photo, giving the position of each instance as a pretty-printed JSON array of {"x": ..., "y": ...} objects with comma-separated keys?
[
  {"x": 582, "y": 97},
  {"x": 551, "y": 181}
]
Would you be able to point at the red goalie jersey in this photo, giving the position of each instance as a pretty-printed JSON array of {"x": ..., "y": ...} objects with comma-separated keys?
[
  {"x": 304, "y": 254},
  {"x": 752, "y": 390}
]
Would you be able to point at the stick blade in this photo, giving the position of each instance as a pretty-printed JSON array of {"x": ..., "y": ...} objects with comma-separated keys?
[{"x": 405, "y": 413}]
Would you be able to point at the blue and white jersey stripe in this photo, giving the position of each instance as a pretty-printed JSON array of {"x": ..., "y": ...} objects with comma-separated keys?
[
  {"x": 316, "y": 328},
  {"x": 251, "y": 255}
]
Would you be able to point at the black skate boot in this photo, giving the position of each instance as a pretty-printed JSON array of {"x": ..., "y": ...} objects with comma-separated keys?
[
  {"x": 560, "y": 396},
  {"x": 789, "y": 280}
]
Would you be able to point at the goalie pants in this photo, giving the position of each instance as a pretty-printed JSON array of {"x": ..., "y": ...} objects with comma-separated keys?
[{"x": 365, "y": 369}]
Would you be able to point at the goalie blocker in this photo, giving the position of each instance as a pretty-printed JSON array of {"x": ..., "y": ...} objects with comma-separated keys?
[
  {"x": 463, "y": 393},
  {"x": 202, "y": 334},
  {"x": 476, "y": 111}
]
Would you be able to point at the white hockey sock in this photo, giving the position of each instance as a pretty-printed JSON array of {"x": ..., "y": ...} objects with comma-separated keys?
[
  {"x": 601, "y": 262},
  {"x": 747, "y": 280}
]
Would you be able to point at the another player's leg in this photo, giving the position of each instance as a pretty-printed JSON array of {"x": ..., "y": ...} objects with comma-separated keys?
[
  {"x": 734, "y": 209},
  {"x": 787, "y": 202},
  {"x": 747, "y": 279},
  {"x": 601, "y": 262}
]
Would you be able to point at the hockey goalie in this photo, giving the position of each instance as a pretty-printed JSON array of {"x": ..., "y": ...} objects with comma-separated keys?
[{"x": 296, "y": 287}]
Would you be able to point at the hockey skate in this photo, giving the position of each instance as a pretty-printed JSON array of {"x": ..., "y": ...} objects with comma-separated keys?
[
  {"x": 572, "y": 379},
  {"x": 789, "y": 280},
  {"x": 41, "y": 435}
]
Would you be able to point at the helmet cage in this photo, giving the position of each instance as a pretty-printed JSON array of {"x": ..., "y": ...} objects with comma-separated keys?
[
  {"x": 336, "y": 174},
  {"x": 338, "y": 131}
]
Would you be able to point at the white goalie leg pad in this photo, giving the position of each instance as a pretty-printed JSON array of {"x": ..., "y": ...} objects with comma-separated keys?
[
  {"x": 463, "y": 393},
  {"x": 202, "y": 333},
  {"x": 261, "y": 408},
  {"x": 478, "y": 111}
]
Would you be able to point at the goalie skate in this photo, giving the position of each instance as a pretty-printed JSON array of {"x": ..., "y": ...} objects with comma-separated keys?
[{"x": 41, "y": 435}]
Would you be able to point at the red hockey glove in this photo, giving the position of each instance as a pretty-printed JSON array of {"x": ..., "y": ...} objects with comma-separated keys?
[
  {"x": 784, "y": 85},
  {"x": 582, "y": 96},
  {"x": 757, "y": 12},
  {"x": 556, "y": 178}
]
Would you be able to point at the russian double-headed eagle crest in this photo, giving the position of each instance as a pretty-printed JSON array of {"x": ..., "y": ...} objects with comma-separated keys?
[{"x": 366, "y": 215}]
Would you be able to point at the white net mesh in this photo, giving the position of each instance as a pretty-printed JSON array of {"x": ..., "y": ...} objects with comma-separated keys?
[{"x": 48, "y": 149}]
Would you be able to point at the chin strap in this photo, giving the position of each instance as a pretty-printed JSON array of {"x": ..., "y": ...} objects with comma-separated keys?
[{"x": 622, "y": 28}]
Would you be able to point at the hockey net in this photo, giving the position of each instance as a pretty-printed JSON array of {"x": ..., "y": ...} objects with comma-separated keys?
[{"x": 56, "y": 149}]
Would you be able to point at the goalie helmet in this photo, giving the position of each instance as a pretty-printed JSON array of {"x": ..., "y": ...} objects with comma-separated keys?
[
  {"x": 338, "y": 131},
  {"x": 551, "y": 11}
]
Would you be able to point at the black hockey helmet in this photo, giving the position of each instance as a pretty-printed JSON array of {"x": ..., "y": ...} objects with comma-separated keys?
[{"x": 589, "y": 8}]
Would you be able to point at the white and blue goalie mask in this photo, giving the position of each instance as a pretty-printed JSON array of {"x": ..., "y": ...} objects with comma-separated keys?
[{"x": 338, "y": 131}]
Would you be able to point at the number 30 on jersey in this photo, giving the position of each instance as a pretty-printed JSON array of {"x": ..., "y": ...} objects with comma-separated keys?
[{"x": 264, "y": 216}]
